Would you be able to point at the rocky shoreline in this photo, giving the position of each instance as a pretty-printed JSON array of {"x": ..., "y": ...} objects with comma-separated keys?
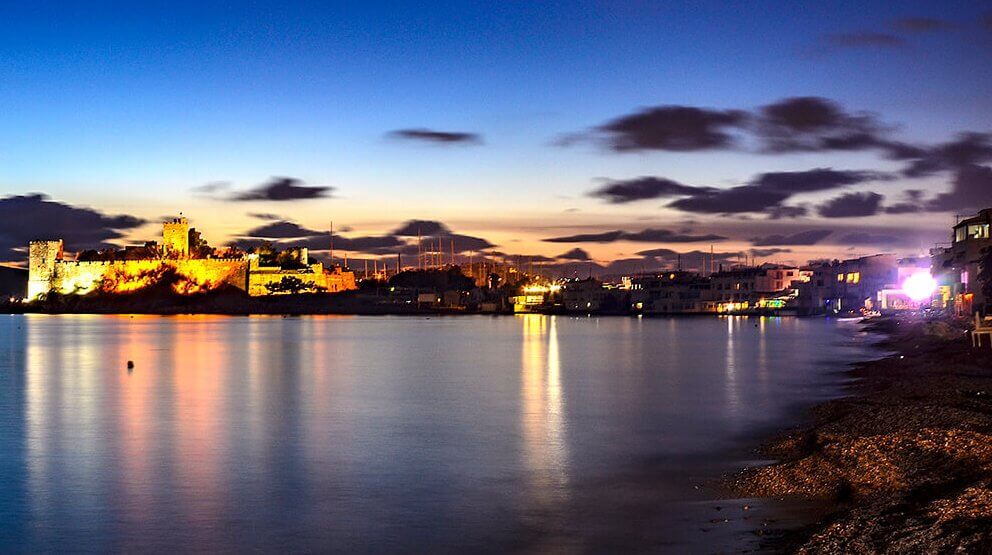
[{"x": 904, "y": 461}]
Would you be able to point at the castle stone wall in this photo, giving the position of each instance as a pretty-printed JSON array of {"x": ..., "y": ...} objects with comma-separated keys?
[
  {"x": 43, "y": 256},
  {"x": 73, "y": 277},
  {"x": 261, "y": 277}
]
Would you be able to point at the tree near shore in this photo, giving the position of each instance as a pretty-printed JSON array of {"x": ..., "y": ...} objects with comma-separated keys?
[{"x": 293, "y": 286}]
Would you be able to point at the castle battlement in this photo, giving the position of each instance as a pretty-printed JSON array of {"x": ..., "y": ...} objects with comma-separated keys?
[{"x": 48, "y": 270}]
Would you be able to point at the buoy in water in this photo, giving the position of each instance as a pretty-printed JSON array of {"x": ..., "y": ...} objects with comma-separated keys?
[{"x": 130, "y": 365}]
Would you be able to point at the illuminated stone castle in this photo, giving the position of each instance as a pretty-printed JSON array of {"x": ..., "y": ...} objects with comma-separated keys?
[{"x": 187, "y": 272}]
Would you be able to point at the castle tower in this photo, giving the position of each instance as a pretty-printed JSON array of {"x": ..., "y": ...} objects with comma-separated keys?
[
  {"x": 175, "y": 238},
  {"x": 43, "y": 256}
]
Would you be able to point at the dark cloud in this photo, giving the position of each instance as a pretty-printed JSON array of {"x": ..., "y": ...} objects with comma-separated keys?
[
  {"x": 643, "y": 188},
  {"x": 436, "y": 137},
  {"x": 864, "y": 238},
  {"x": 290, "y": 234},
  {"x": 667, "y": 236},
  {"x": 605, "y": 237},
  {"x": 810, "y": 123},
  {"x": 904, "y": 208},
  {"x": 465, "y": 243},
  {"x": 26, "y": 218},
  {"x": 780, "y": 212},
  {"x": 265, "y": 216},
  {"x": 817, "y": 179},
  {"x": 282, "y": 189},
  {"x": 285, "y": 234},
  {"x": 970, "y": 190},
  {"x": 575, "y": 254},
  {"x": 371, "y": 244},
  {"x": 645, "y": 236},
  {"x": 765, "y": 193},
  {"x": 627, "y": 266},
  {"x": 746, "y": 198},
  {"x": 672, "y": 128},
  {"x": 913, "y": 203},
  {"x": 923, "y": 24},
  {"x": 795, "y": 124},
  {"x": 865, "y": 39},
  {"x": 851, "y": 205},
  {"x": 964, "y": 150},
  {"x": 211, "y": 188},
  {"x": 282, "y": 230},
  {"x": 803, "y": 238},
  {"x": 764, "y": 253},
  {"x": 695, "y": 255},
  {"x": 424, "y": 228}
]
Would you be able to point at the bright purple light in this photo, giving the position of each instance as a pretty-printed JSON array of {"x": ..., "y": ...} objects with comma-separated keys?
[{"x": 919, "y": 286}]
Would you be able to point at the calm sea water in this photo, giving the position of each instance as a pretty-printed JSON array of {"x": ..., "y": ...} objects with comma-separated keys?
[{"x": 382, "y": 434}]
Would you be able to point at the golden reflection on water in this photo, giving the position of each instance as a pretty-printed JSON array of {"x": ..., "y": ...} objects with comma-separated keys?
[
  {"x": 200, "y": 394},
  {"x": 730, "y": 366},
  {"x": 543, "y": 418},
  {"x": 136, "y": 441}
]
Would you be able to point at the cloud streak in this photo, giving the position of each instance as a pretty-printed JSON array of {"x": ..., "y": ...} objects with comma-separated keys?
[
  {"x": 25, "y": 218},
  {"x": 851, "y": 205},
  {"x": 765, "y": 193},
  {"x": 803, "y": 238},
  {"x": 280, "y": 189},
  {"x": 645, "y": 236},
  {"x": 433, "y": 136}
]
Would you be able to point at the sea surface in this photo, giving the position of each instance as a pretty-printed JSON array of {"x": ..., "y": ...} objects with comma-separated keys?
[{"x": 397, "y": 434}]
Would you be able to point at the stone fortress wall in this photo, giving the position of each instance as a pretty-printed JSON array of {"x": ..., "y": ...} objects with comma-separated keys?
[
  {"x": 49, "y": 271},
  {"x": 333, "y": 281}
]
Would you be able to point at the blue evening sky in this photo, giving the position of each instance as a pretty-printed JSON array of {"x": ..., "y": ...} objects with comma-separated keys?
[{"x": 126, "y": 106}]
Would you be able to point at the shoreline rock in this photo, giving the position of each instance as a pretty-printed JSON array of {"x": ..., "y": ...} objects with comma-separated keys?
[{"x": 905, "y": 460}]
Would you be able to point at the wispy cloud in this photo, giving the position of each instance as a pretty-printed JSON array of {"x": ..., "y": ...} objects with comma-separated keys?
[{"x": 434, "y": 136}]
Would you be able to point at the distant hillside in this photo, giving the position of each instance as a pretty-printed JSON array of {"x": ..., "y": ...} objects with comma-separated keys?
[{"x": 13, "y": 282}]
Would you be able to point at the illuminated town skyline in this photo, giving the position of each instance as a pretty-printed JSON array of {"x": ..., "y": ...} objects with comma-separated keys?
[{"x": 536, "y": 130}]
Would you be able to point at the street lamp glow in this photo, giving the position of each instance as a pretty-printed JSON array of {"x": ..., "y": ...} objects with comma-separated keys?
[{"x": 919, "y": 286}]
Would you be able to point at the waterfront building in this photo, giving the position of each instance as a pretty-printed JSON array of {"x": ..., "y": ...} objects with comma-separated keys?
[
  {"x": 584, "y": 295},
  {"x": 535, "y": 297},
  {"x": 671, "y": 293},
  {"x": 955, "y": 266},
  {"x": 758, "y": 288},
  {"x": 851, "y": 285}
]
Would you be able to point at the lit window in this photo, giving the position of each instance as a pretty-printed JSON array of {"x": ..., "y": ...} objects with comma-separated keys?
[{"x": 840, "y": 277}]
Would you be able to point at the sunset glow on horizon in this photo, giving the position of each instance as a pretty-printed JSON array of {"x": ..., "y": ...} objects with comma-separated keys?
[{"x": 512, "y": 127}]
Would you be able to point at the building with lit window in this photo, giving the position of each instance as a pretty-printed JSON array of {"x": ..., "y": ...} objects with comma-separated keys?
[
  {"x": 760, "y": 288},
  {"x": 671, "y": 293},
  {"x": 584, "y": 295},
  {"x": 956, "y": 267},
  {"x": 848, "y": 286}
]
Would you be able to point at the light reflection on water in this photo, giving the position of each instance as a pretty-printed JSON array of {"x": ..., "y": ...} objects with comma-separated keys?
[
  {"x": 381, "y": 434},
  {"x": 545, "y": 452}
]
